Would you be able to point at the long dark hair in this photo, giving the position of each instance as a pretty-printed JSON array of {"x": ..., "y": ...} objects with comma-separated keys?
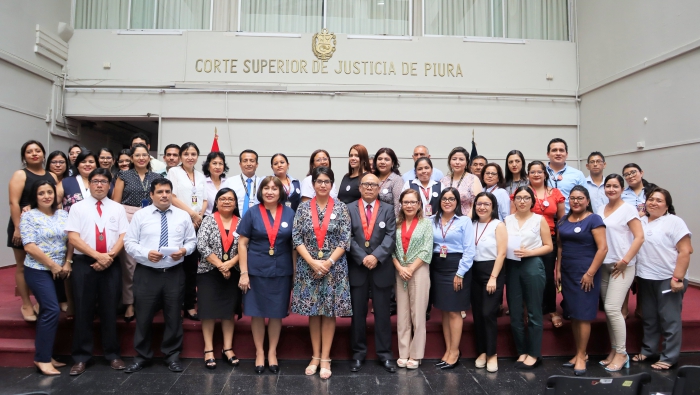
[
  {"x": 27, "y": 144},
  {"x": 365, "y": 166},
  {"x": 458, "y": 209},
  {"x": 494, "y": 205},
  {"x": 529, "y": 191},
  {"x": 501, "y": 182},
  {"x": 544, "y": 170},
  {"x": 508, "y": 173},
  {"x": 224, "y": 191},
  {"x": 419, "y": 212},
  {"x": 34, "y": 201},
  {"x": 646, "y": 184},
  {"x": 394, "y": 160},
  {"x": 211, "y": 157},
  {"x": 457, "y": 150},
  {"x": 313, "y": 158},
  {"x": 584, "y": 190},
  {"x": 64, "y": 156},
  {"x": 133, "y": 151},
  {"x": 667, "y": 198}
]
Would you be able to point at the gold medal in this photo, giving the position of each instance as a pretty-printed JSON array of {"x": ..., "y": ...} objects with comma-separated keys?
[
  {"x": 225, "y": 257},
  {"x": 272, "y": 251},
  {"x": 102, "y": 236},
  {"x": 366, "y": 243},
  {"x": 320, "y": 254},
  {"x": 405, "y": 257}
]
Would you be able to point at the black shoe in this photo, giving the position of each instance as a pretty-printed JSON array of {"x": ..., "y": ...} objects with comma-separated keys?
[
  {"x": 523, "y": 366},
  {"x": 389, "y": 365},
  {"x": 449, "y": 366},
  {"x": 174, "y": 366},
  {"x": 211, "y": 362},
  {"x": 518, "y": 364},
  {"x": 259, "y": 369},
  {"x": 274, "y": 368},
  {"x": 356, "y": 365},
  {"x": 441, "y": 363},
  {"x": 193, "y": 317},
  {"x": 233, "y": 361},
  {"x": 135, "y": 367},
  {"x": 129, "y": 319},
  {"x": 568, "y": 364},
  {"x": 578, "y": 372}
]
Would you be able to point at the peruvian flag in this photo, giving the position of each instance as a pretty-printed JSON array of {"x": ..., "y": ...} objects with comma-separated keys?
[{"x": 215, "y": 144}]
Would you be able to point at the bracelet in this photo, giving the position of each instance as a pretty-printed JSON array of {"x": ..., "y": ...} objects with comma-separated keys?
[
  {"x": 624, "y": 261},
  {"x": 242, "y": 273},
  {"x": 332, "y": 261},
  {"x": 589, "y": 275},
  {"x": 492, "y": 276},
  {"x": 69, "y": 261},
  {"x": 678, "y": 280}
]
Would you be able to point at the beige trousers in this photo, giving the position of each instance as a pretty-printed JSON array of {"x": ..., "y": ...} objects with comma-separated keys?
[
  {"x": 128, "y": 264},
  {"x": 411, "y": 306},
  {"x": 614, "y": 291}
]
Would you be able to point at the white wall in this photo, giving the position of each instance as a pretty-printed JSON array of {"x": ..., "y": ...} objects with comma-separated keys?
[
  {"x": 640, "y": 60},
  {"x": 29, "y": 82}
]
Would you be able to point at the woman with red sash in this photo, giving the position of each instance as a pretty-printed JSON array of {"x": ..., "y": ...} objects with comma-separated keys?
[
  {"x": 321, "y": 288},
  {"x": 218, "y": 274},
  {"x": 267, "y": 266}
]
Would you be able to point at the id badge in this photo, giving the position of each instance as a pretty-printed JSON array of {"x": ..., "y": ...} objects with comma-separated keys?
[
  {"x": 144, "y": 203},
  {"x": 443, "y": 251},
  {"x": 194, "y": 200},
  {"x": 428, "y": 210},
  {"x": 288, "y": 204}
]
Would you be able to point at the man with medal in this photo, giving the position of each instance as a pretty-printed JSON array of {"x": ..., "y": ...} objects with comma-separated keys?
[
  {"x": 561, "y": 176},
  {"x": 247, "y": 183},
  {"x": 370, "y": 266},
  {"x": 96, "y": 227},
  {"x": 159, "y": 237}
]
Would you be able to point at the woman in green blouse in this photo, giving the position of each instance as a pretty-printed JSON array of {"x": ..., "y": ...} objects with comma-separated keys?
[{"x": 414, "y": 246}]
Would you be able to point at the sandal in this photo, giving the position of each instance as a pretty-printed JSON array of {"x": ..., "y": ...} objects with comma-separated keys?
[
  {"x": 326, "y": 373},
  {"x": 413, "y": 364},
  {"x": 211, "y": 362},
  {"x": 233, "y": 361},
  {"x": 660, "y": 365},
  {"x": 311, "y": 369},
  {"x": 401, "y": 362},
  {"x": 639, "y": 358},
  {"x": 557, "y": 321}
]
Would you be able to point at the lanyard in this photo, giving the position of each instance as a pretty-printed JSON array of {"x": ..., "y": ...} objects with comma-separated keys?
[
  {"x": 444, "y": 232},
  {"x": 476, "y": 240},
  {"x": 460, "y": 180},
  {"x": 245, "y": 185}
]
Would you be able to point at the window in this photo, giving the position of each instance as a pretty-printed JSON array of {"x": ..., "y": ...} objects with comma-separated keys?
[
  {"x": 143, "y": 14},
  {"x": 530, "y": 19},
  {"x": 385, "y": 17}
]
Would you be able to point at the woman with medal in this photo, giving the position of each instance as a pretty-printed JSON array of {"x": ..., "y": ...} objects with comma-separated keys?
[
  {"x": 635, "y": 193},
  {"x": 662, "y": 266},
  {"x": 427, "y": 188},
  {"x": 321, "y": 236},
  {"x": 218, "y": 274},
  {"x": 214, "y": 169},
  {"x": 493, "y": 182},
  {"x": 189, "y": 194},
  {"x": 450, "y": 271},
  {"x": 525, "y": 277},
  {"x": 549, "y": 203},
  {"x": 292, "y": 187},
  {"x": 267, "y": 267},
  {"x": 73, "y": 189},
  {"x": 131, "y": 189},
  {"x": 318, "y": 158},
  {"x": 468, "y": 185},
  {"x": 582, "y": 246},
  {"x": 358, "y": 164},
  {"x": 515, "y": 171},
  {"x": 414, "y": 244},
  {"x": 386, "y": 168},
  {"x": 488, "y": 278}
]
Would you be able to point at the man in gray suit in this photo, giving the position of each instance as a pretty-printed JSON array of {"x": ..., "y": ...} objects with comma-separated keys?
[{"x": 370, "y": 266}]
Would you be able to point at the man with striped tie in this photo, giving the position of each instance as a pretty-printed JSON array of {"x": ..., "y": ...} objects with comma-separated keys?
[{"x": 159, "y": 237}]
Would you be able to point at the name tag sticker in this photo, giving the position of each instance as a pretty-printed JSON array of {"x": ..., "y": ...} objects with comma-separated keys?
[
  {"x": 382, "y": 225},
  {"x": 112, "y": 219},
  {"x": 435, "y": 194},
  {"x": 284, "y": 224},
  {"x": 606, "y": 381}
]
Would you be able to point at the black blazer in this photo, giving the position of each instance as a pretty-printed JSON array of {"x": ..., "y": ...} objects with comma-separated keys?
[
  {"x": 381, "y": 245},
  {"x": 434, "y": 195}
]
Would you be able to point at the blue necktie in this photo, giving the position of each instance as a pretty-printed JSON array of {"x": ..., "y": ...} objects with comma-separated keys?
[
  {"x": 163, "y": 229},
  {"x": 246, "y": 202}
]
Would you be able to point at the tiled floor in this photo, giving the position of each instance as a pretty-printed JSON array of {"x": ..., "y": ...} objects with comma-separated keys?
[{"x": 465, "y": 379}]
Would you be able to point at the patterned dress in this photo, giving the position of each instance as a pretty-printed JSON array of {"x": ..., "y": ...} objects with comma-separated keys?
[
  {"x": 136, "y": 190},
  {"x": 330, "y": 295},
  {"x": 465, "y": 188}
]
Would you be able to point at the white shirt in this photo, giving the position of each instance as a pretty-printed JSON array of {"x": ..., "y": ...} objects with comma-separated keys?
[
  {"x": 657, "y": 257},
  {"x": 597, "y": 194},
  {"x": 618, "y": 233},
  {"x": 487, "y": 248},
  {"x": 307, "y": 189},
  {"x": 144, "y": 235},
  {"x": 210, "y": 191},
  {"x": 529, "y": 232},
  {"x": 503, "y": 200},
  {"x": 191, "y": 194},
  {"x": 157, "y": 166},
  {"x": 373, "y": 205},
  {"x": 424, "y": 201},
  {"x": 83, "y": 217},
  {"x": 238, "y": 184},
  {"x": 411, "y": 175}
]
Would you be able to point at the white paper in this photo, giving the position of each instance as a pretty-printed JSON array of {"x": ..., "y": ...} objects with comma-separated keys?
[
  {"x": 513, "y": 244},
  {"x": 666, "y": 291},
  {"x": 167, "y": 251}
]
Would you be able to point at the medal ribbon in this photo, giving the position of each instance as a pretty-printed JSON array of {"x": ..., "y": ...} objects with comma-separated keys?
[
  {"x": 407, "y": 233},
  {"x": 226, "y": 240},
  {"x": 271, "y": 234},
  {"x": 320, "y": 231},
  {"x": 368, "y": 229}
]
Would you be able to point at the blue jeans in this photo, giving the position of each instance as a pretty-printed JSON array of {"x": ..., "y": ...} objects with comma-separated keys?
[{"x": 42, "y": 284}]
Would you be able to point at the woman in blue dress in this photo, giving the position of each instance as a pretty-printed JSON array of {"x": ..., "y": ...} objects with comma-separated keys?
[
  {"x": 581, "y": 249},
  {"x": 266, "y": 258}
]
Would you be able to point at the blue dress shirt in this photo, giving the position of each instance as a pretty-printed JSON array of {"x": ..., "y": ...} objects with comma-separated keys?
[{"x": 458, "y": 239}]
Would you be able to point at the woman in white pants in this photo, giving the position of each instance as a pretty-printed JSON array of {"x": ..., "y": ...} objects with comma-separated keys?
[{"x": 625, "y": 236}]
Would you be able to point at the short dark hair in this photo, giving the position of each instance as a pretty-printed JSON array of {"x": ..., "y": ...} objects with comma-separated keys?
[
  {"x": 557, "y": 140},
  {"x": 667, "y": 198},
  {"x": 394, "y": 160},
  {"x": 105, "y": 149},
  {"x": 160, "y": 181},
  {"x": 27, "y": 144},
  {"x": 272, "y": 158},
  {"x": 188, "y": 145},
  {"x": 544, "y": 170},
  {"x": 133, "y": 151},
  {"x": 458, "y": 202},
  {"x": 76, "y": 146},
  {"x": 422, "y": 159},
  {"x": 529, "y": 191},
  {"x": 617, "y": 177},
  {"x": 141, "y": 136},
  {"x": 34, "y": 201},
  {"x": 584, "y": 191},
  {"x": 171, "y": 146},
  {"x": 501, "y": 181},
  {"x": 494, "y": 205},
  {"x": 100, "y": 172},
  {"x": 280, "y": 187},
  {"x": 125, "y": 151},
  {"x": 222, "y": 192},
  {"x": 317, "y": 171},
  {"x": 595, "y": 153},
  {"x": 84, "y": 154},
  {"x": 64, "y": 156},
  {"x": 248, "y": 151},
  {"x": 478, "y": 157},
  {"x": 312, "y": 158},
  {"x": 457, "y": 150},
  {"x": 211, "y": 157},
  {"x": 419, "y": 213}
]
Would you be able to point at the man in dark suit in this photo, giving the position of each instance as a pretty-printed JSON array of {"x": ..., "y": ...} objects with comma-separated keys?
[{"x": 370, "y": 266}]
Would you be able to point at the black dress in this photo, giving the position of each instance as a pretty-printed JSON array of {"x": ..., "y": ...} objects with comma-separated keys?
[
  {"x": 24, "y": 201},
  {"x": 349, "y": 189}
]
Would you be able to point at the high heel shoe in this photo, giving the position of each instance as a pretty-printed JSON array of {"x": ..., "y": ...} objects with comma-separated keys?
[
  {"x": 439, "y": 364},
  {"x": 130, "y": 318},
  {"x": 211, "y": 362},
  {"x": 450, "y": 366},
  {"x": 325, "y": 374},
  {"x": 233, "y": 361},
  {"x": 193, "y": 317},
  {"x": 46, "y": 373},
  {"x": 625, "y": 365},
  {"x": 260, "y": 368},
  {"x": 28, "y": 318},
  {"x": 579, "y": 372},
  {"x": 571, "y": 364}
]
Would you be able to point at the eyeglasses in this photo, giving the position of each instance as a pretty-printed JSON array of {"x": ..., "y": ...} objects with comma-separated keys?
[
  {"x": 369, "y": 185},
  {"x": 105, "y": 158},
  {"x": 448, "y": 200},
  {"x": 58, "y": 162},
  {"x": 137, "y": 156},
  {"x": 491, "y": 174},
  {"x": 577, "y": 198},
  {"x": 536, "y": 172},
  {"x": 323, "y": 182},
  {"x": 321, "y": 160},
  {"x": 410, "y": 202},
  {"x": 597, "y": 162},
  {"x": 630, "y": 174},
  {"x": 483, "y": 204},
  {"x": 227, "y": 200},
  {"x": 99, "y": 182},
  {"x": 121, "y": 162},
  {"x": 522, "y": 198}
]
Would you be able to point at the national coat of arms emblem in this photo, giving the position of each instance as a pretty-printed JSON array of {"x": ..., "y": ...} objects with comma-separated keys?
[{"x": 323, "y": 44}]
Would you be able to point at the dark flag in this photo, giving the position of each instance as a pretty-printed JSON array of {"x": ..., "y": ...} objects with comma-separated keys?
[{"x": 474, "y": 153}]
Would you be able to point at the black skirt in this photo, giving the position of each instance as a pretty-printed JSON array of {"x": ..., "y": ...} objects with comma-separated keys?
[
  {"x": 442, "y": 292},
  {"x": 218, "y": 298}
]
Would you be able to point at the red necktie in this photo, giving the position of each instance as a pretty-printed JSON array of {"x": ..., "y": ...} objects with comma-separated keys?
[
  {"x": 368, "y": 212},
  {"x": 100, "y": 240}
]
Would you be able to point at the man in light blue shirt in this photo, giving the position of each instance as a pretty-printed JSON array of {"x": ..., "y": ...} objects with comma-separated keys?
[
  {"x": 594, "y": 182},
  {"x": 420, "y": 152},
  {"x": 561, "y": 176}
]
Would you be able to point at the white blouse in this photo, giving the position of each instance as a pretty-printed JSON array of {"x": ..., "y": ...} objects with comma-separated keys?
[
  {"x": 618, "y": 233},
  {"x": 486, "y": 246},
  {"x": 192, "y": 194},
  {"x": 307, "y": 189},
  {"x": 529, "y": 233},
  {"x": 657, "y": 257}
]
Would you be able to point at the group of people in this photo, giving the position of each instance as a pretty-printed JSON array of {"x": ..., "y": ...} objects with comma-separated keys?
[{"x": 151, "y": 235}]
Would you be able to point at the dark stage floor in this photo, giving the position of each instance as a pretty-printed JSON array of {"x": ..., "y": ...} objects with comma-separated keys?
[{"x": 465, "y": 379}]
